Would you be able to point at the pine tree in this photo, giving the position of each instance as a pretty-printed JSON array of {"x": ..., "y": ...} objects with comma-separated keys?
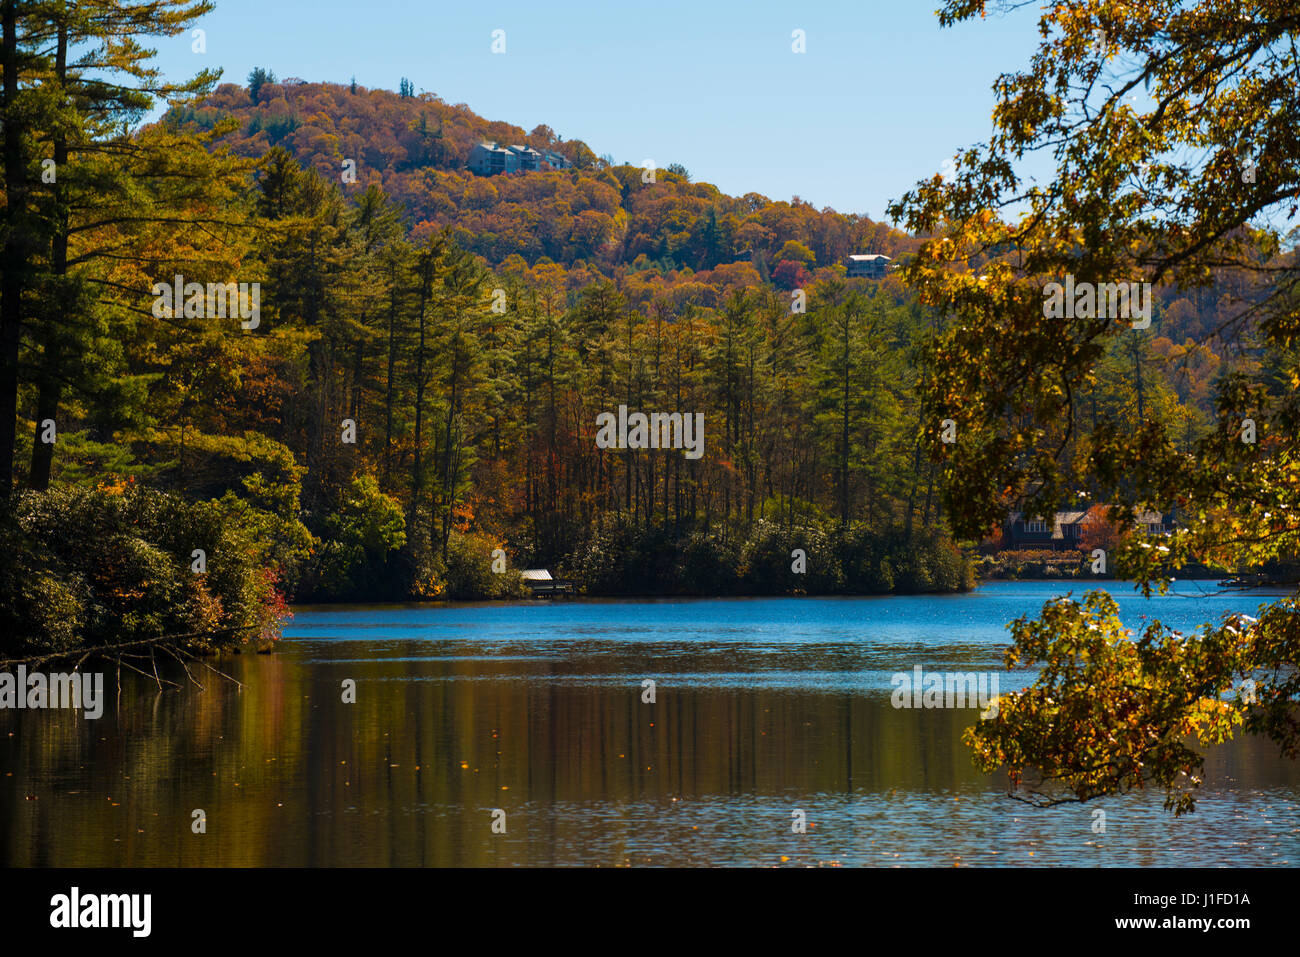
[
  {"x": 258, "y": 77},
  {"x": 104, "y": 184}
]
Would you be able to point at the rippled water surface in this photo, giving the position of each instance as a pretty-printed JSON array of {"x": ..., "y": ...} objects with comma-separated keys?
[{"x": 535, "y": 709}]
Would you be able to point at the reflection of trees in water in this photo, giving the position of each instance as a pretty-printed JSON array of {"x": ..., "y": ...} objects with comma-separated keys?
[{"x": 409, "y": 774}]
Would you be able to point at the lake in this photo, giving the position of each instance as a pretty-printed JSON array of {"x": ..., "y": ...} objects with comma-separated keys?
[{"x": 516, "y": 734}]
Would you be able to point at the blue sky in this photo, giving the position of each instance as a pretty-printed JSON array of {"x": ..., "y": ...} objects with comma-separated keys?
[{"x": 880, "y": 99}]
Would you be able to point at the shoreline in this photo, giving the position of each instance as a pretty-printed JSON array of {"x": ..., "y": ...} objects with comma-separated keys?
[{"x": 674, "y": 599}]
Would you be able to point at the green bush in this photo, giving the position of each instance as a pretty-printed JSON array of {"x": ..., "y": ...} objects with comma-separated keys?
[
  {"x": 87, "y": 568},
  {"x": 708, "y": 566},
  {"x": 469, "y": 573},
  {"x": 358, "y": 556}
]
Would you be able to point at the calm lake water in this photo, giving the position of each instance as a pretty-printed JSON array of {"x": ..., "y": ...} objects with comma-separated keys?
[{"x": 763, "y": 706}]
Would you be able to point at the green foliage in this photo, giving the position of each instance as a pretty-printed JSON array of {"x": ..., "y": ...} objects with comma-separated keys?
[
  {"x": 1109, "y": 713},
  {"x": 469, "y": 573},
  {"x": 90, "y": 568},
  {"x": 357, "y": 558},
  {"x": 279, "y": 127},
  {"x": 259, "y": 77},
  {"x": 795, "y": 251}
]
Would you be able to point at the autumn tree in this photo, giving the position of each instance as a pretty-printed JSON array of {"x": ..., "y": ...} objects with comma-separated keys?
[
  {"x": 1097, "y": 531},
  {"x": 1171, "y": 129}
]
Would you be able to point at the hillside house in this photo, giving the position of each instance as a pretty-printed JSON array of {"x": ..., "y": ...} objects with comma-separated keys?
[
  {"x": 1061, "y": 533},
  {"x": 489, "y": 159},
  {"x": 867, "y": 266},
  {"x": 555, "y": 160},
  {"x": 1153, "y": 523}
]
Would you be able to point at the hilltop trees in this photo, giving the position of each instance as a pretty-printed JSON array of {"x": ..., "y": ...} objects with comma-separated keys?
[
  {"x": 258, "y": 77},
  {"x": 600, "y": 214}
]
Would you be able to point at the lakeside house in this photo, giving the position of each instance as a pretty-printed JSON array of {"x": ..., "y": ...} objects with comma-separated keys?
[
  {"x": 489, "y": 159},
  {"x": 1062, "y": 532},
  {"x": 867, "y": 266},
  {"x": 1066, "y": 529}
]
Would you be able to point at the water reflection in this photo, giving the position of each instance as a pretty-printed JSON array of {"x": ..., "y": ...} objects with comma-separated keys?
[{"x": 761, "y": 707}]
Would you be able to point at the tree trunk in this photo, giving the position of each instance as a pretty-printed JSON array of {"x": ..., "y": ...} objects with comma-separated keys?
[
  {"x": 50, "y": 376},
  {"x": 13, "y": 264}
]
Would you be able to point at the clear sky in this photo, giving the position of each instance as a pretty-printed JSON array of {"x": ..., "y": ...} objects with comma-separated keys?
[{"x": 880, "y": 99}]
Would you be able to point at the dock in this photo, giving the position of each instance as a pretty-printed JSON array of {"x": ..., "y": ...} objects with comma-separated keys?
[{"x": 541, "y": 583}]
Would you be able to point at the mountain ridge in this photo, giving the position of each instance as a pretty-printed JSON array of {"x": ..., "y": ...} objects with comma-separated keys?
[{"x": 596, "y": 214}]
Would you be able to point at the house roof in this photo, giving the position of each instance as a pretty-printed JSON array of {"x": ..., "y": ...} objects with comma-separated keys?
[
  {"x": 869, "y": 257},
  {"x": 1065, "y": 517},
  {"x": 1073, "y": 517},
  {"x": 536, "y": 575},
  {"x": 1059, "y": 521}
]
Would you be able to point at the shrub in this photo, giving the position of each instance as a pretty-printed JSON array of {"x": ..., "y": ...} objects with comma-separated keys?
[
  {"x": 87, "y": 568},
  {"x": 358, "y": 555},
  {"x": 469, "y": 573}
]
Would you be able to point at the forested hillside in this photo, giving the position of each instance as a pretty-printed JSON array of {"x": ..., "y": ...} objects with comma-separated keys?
[
  {"x": 487, "y": 322},
  {"x": 595, "y": 215},
  {"x": 421, "y": 358}
]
